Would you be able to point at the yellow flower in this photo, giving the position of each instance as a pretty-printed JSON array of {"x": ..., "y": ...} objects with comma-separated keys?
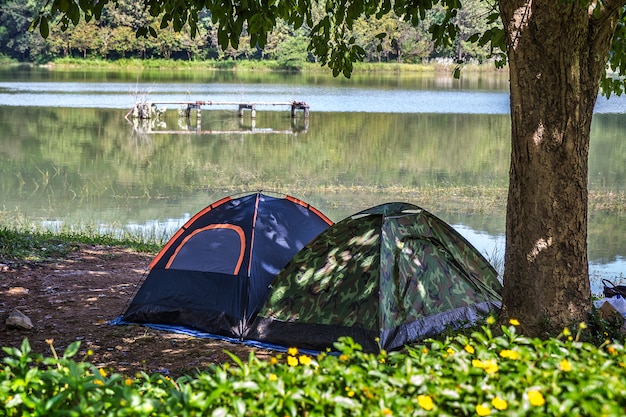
[
  {"x": 343, "y": 357},
  {"x": 304, "y": 360},
  {"x": 469, "y": 349},
  {"x": 491, "y": 320},
  {"x": 536, "y": 398},
  {"x": 612, "y": 350},
  {"x": 273, "y": 360},
  {"x": 514, "y": 322},
  {"x": 98, "y": 382},
  {"x": 102, "y": 372},
  {"x": 128, "y": 381},
  {"x": 426, "y": 402},
  {"x": 565, "y": 365},
  {"x": 89, "y": 352},
  {"x": 292, "y": 361},
  {"x": 582, "y": 325},
  {"x": 510, "y": 354},
  {"x": 490, "y": 366},
  {"x": 566, "y": 332},
  {"x": 350, "y": 394},
  {"x": 483, "y": 410},
  {"x": 293, "y": 351},
  {"x": 450, "y": 351},
  {"x": 273, "y": 377},
  {"x": 499, "y": 403},
  {"x": 424, "y": 351},
  {"x": 50, "y": 341},
  {"x": 387, "y": 412}
]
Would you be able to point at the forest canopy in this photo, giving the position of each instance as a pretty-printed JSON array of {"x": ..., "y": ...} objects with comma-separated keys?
[{"x": 114, "y": 36}]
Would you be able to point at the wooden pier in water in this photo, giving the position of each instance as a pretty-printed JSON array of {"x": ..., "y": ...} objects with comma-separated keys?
[{"x": 153, "y": 110}]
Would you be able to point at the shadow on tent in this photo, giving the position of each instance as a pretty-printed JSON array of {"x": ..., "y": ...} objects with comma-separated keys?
[{"x": 386, "y": 276}]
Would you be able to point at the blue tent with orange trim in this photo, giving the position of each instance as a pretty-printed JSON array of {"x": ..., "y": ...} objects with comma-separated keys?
[{"x": 214, "y": 274}]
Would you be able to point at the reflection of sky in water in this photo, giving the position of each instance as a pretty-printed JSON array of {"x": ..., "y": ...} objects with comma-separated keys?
[
  {"x": 492, "y": 248},
  {"x": 319, "y": 98},
  {"x": 155, "y": 227}
]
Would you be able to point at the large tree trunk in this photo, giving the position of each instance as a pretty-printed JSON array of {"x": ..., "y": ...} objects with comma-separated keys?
[{"x": 556, "y": 53}]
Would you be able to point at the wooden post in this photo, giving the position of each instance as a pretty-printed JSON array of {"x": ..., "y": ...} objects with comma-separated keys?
[
  {"x": 247, "y": 106},
  {"x": 296, "y": 105}
]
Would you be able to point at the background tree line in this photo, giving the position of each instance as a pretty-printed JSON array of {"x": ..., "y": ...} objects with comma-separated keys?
[{"x": 113, "y": 37}]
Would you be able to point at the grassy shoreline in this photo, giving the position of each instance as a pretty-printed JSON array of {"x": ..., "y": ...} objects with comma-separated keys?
[
  {"x": 439, "y": 66},
  {"x": 39, "y": 246}
]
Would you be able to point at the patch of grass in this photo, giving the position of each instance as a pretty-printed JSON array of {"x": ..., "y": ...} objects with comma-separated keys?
[
  {"x": 18, "y": 246},
  {"x": 39, "y": 246}
]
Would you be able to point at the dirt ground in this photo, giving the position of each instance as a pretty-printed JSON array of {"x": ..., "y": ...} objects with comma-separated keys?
[{"x": 74, "y": 299}]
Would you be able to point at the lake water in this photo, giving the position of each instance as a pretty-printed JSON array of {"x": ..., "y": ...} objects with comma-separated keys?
[{"x": 68, "y": 156}]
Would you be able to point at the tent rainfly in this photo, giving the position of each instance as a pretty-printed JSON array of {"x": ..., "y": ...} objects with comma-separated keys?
[
  {"x": 386, "y": 276},
  {"x": 214, "y": 274}
]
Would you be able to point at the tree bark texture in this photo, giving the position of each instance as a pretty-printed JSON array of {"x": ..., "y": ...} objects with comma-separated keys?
[{"x": 557, "y": 52}]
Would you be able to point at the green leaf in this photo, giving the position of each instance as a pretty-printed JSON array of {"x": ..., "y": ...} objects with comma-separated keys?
[
  {"x": 384, "y": 8},
  {"x": 25, "y": 348},
  {"x": 73, "y": 13},
  {"x": 165, "y": 21},
  {"x": 220, "y": 412},
  {"x": 240, "y": 406},
  {"x": 177, "y": 23},
  {"x": 44, "y": 29},
  {"x": 56, "y": 401},
  {"x": 142, "y": 32},
  {"x": 71, "y": 350},
  {"x": 346, "y": 402},
  {"x": 235, "y": 358},
  {"x": 34, "y": 24}
]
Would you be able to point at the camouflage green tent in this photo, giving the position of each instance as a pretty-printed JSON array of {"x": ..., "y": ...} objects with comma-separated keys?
[{"x": 385, "y": 276}]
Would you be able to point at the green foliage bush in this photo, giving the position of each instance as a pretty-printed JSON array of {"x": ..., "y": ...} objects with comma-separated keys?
[{"x": 476, "y": 374}]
